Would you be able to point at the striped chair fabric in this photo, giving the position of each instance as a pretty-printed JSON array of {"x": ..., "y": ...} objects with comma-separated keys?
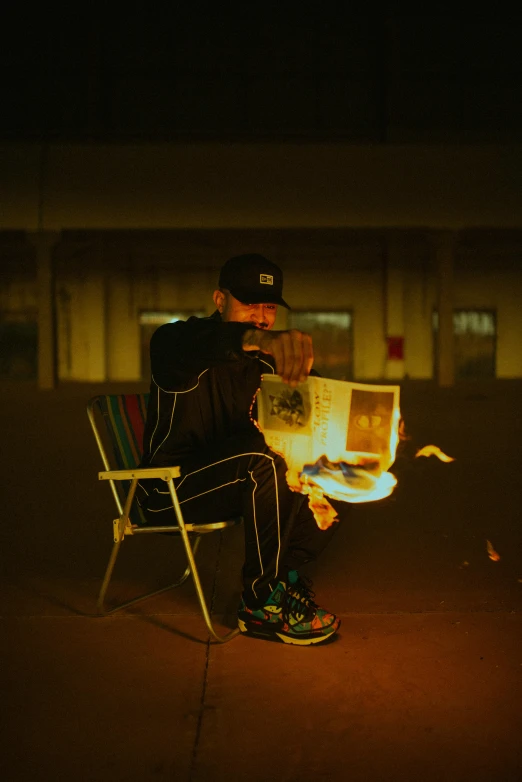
[{"x": 124, "y": 416}]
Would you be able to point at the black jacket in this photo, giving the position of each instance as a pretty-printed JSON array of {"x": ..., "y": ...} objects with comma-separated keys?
[{"x": 202, "y": 390}]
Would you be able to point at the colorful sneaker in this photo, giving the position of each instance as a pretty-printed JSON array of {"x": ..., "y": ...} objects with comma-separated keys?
[
  {"x": 289, "y": 615},
  {"x": 302, "y": 586}
]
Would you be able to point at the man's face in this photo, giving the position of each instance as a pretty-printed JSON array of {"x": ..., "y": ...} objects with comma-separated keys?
[{"x": 262, "y": 316}]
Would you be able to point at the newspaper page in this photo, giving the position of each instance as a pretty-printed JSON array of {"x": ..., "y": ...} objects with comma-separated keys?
[{"x": 337, "y": 435}]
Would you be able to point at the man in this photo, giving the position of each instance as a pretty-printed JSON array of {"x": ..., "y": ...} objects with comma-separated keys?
[{"x": 205, "y": 376}]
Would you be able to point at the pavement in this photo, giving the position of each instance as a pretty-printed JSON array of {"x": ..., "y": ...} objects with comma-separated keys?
[{"x": 423, "y": 681}]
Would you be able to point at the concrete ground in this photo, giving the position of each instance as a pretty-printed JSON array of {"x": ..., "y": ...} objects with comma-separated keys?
[{"x": 423, "y": 682}]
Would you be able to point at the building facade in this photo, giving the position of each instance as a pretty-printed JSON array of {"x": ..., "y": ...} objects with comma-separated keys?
[{"x": 402, "y": 261}]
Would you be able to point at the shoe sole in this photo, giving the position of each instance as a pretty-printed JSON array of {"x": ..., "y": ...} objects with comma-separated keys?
[{"x": 286, "y": 639}]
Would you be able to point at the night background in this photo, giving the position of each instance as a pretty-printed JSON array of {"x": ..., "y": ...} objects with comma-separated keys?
[{"x": 332, "y": 73}]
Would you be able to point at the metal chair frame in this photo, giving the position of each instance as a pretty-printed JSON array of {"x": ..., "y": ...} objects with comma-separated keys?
[{"x": 122, "y": 526}]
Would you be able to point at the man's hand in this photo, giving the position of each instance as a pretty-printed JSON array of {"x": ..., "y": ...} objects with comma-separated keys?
[{"x": 292, "y": 351}]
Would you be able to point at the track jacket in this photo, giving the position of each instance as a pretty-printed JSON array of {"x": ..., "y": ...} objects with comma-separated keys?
[{"x": 202, "y": 391}]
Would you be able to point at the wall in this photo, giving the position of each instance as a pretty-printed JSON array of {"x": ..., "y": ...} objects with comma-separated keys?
[{"x": 204, "y": 185}]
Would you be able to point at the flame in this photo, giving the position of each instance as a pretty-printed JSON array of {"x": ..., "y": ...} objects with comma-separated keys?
[
  {"x": 369, "y": 479},
  {"x": 403, "y": 435},
  {"x": 324, "y": 513},
  {"x": 396, "y": 433},
  {"x": 366, "y": 487},
  {"x": 492, "y": 554},
  {"x": 433, "y": 450},
  {"x": 292, "y": 479},
  {"x": 363, "y": 478}
]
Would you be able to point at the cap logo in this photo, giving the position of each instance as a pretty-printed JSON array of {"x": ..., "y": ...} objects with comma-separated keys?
[{"x": 266, "y": 279}]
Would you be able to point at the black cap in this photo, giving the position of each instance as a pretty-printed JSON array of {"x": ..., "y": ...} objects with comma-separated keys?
[{"x": 252, "y": 279}]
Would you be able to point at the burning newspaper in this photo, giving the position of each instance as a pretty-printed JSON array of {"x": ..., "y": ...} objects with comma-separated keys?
[{"x": 337, "y": 438}]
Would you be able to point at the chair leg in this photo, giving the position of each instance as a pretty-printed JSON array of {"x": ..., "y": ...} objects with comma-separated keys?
[
  {"x": 103, "y": 611},
  {"x": 194, "y": 571},
  {"x": 199, "y": 591}
]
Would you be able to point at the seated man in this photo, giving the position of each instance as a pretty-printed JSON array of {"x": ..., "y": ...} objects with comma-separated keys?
[{"x": 205, "y": 376}]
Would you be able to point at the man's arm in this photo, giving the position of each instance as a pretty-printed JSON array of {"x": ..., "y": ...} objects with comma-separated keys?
[
  {"x": 292, "y": 351},
  {"x": 180, "y": 351}
]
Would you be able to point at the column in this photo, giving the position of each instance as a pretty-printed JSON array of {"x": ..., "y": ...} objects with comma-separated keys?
[
  {"x": 444, "y": 254},
  {"x": 44, "y": 243},
  {"x": 394, "y": 309}
]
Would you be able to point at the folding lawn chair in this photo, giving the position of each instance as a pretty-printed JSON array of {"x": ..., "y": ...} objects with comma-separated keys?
[{"x": 124, "y": 418}]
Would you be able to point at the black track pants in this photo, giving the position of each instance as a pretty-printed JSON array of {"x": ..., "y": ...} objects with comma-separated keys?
[{"x": 243, "y": 477}]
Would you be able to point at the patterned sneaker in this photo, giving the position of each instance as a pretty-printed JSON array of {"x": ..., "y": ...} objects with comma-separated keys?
[
  {"x": 289, "y": 615},
  {"x": 303, "y": 587}
]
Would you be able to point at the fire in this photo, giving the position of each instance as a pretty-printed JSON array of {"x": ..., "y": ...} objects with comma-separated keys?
[
  {"x": 492, "y": 554},
  {"x": 324, "y": 514},
  {"x": 292, "y": 478},
  {"x": 397, "y": 433},
  {"x": 366, "y": 480},
  {"x": 433, "y": 450},
  {"x": 363, "y": 486},
  {"x": 402, "y": 430}
]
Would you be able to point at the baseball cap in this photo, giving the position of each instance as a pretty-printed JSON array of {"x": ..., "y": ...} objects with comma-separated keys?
[{"x": 253, "y": 279}]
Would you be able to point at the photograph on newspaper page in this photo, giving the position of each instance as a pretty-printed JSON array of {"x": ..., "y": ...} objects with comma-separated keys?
[
  {"x": 285, "y": 418},
  {"x": 373, "y": 422},
  {"x": 285, "y": 409}
]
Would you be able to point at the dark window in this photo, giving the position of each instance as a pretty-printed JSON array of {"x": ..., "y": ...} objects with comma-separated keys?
[
  {"x": 474, "y": 343},
  {"x": 18, "y": 346}
]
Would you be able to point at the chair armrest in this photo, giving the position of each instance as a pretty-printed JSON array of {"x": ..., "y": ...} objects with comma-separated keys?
[{"x": 165, "y": 473}]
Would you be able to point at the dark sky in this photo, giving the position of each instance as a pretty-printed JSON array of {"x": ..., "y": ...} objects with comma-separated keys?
[{"x": 84, "y": 74}]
